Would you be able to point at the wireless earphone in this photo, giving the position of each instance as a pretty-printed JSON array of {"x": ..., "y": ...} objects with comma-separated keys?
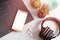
[{"x": 47, "y": 33}]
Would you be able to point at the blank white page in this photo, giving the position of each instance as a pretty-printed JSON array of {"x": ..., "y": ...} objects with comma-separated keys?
[{"x": 19, "y": 20}]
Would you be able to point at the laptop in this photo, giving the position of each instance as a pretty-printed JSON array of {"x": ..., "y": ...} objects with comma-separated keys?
[{"x": 8, "y": 9}]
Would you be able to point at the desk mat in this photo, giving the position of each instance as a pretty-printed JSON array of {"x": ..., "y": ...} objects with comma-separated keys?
[{"x": 8, "y": 9}]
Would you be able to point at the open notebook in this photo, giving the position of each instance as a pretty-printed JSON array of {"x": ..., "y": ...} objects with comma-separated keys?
[{"x": 8, "y": 9}]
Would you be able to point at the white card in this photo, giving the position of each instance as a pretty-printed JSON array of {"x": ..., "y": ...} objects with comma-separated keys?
[{"x": 19, "y": 20}]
